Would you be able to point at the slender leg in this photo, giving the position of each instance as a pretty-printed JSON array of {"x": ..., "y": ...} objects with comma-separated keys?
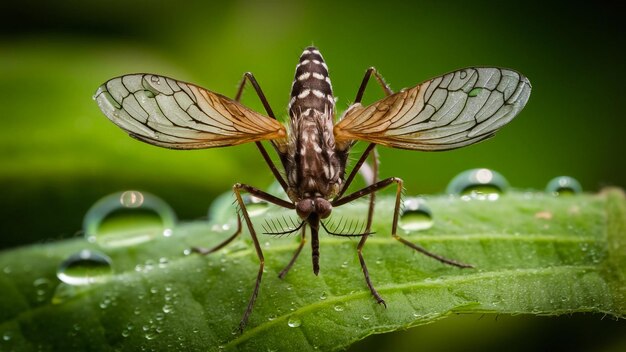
[
  {"x": 366, "y": 78},
  {"x": 205, "y": 251},
  {"x": 284, "y": 272},
  {"x": 357, "y": 100},
  {"x": 249, "y": 77},
  {"x": 370, "y": 216},
  {"x": 371, "y": 151},
  {"x": 238, "y": 188},
  {"x": 374, "y": 188}
]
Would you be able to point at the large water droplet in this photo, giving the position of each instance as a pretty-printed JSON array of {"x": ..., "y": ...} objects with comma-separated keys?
[
  {"x": 563, "y": 185},
  {"x": 85, "y": 267},
  {"x": 294, "y": 322},
  {"x": 416, "y": 216},
  {"x": 481, "y": 184},
  {"x": 128, "y": 218}
]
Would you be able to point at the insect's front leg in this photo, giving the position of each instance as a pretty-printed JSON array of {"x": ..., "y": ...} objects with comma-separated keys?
[
  {"x": 394, "y": 227},
  {"x": 237, "y": 189}
]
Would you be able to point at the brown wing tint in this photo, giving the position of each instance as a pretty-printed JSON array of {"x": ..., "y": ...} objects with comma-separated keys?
[
  {"x": 178, "y": 115},
  {"x": 447, "y": 112}
]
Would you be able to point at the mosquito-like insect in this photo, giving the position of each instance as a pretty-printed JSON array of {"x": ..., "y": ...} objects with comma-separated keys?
[{"x": 447, "y": 112}]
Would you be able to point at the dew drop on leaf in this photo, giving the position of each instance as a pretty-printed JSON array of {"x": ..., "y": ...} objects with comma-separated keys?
[
  {"x": 338, "y": 308},
  {"x": 416, "y": 216},
  {"x": 128, "y": 218},
  {"x": 294, "y": 322},
  {"x": 480, "y": 184},
  {"x": 167, "y": 308},
  {"x": 563, "y": 185},
  {"x": 84, "y": 268}
]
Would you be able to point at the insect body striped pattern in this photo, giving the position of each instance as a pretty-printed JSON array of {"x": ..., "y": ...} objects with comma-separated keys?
[{"x": 451, "y": 111}]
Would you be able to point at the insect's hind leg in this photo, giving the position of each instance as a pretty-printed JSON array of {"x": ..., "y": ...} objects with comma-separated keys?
[
  {"x": 249, "y": 77},
  {"x": 366, "y": 78}
]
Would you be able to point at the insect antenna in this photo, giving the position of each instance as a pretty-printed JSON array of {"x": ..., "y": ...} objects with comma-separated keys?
[
  {"x": 355, "y": 228},
  {"x": 274, "y": 230}
]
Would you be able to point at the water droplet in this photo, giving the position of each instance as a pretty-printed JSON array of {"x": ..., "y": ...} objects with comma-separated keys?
[
  {"x": 323, "y": 296},
  {"x": 254, "y": 205},
  {"x": 128, "y": 218},
  {"x": 7, "y": 336},
  {"x": 344, "y": 265},
  {"x": 155, "y": 79},
  {"x": 481, "y": 184},
  {"x": 85, "y": 267},
  {"x": 151, "y": 335},
  {"x": 563, "y": 185},
  {"x": 416, "y": 216},
  {"x": 294, "y": 322},
  {"x": 42, "y": 287},
  {"x": 366, "y": 317},
  {"x": 338, "y": 308},
  {"x": 167, "y": 308}
]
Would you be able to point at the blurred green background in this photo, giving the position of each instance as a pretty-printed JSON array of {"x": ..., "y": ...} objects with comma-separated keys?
[{"x": 59, "y": 154}]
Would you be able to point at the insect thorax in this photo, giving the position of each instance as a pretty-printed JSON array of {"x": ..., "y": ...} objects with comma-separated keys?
[{"x": 314, "y": 168}]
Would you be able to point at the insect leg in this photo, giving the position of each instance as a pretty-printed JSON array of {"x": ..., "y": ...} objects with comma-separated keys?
[
  {"x": 205, "y": 251},
  {"x": 237, "y": 189},
  {"x": 358, "y": 194},
  {"x": 380, "y": 185},
  {"x": 249, "y": 77},
  {"x": 284, "y": 272},
  {"x": 374, "y": 188},
  {"x": 366, "y": 78},
  {"x": 357, "y": 100}
]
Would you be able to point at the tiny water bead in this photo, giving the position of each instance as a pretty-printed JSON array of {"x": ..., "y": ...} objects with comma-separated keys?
[
  {"x": 42, "y": 287},
  {"x": 480, "y": 184},
  {"x": 563, "y": 185},
  {"x": 416, "y": 215},
  {"x": 294, "y": 322},
  {"x": 128, "y": 218},
  {"x": 84, "y": 268}
]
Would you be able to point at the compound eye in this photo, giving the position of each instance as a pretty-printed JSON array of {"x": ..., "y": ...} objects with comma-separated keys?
[
  {"x": 323, "y": 207},
  {"x": 304, "y": 208}
]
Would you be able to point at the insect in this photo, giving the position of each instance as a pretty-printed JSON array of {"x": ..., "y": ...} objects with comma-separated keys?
[{"x": 447, "y": 112}]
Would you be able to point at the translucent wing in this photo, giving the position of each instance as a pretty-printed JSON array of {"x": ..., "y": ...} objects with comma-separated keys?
[
  {"x": 178, "y": 115},
  {"x": 457, "y": 109}
]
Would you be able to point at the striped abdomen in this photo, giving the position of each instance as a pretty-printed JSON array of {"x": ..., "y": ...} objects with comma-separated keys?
[{"x": 311, "y": 86}]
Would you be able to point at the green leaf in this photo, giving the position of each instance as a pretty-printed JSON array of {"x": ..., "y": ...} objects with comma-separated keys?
[{"x": 533, "y": 254}]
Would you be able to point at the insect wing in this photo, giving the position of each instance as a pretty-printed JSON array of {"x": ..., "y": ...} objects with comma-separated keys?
[
  {"x": 447, "y": 112},
  {"x": 178, "y": 115}
]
